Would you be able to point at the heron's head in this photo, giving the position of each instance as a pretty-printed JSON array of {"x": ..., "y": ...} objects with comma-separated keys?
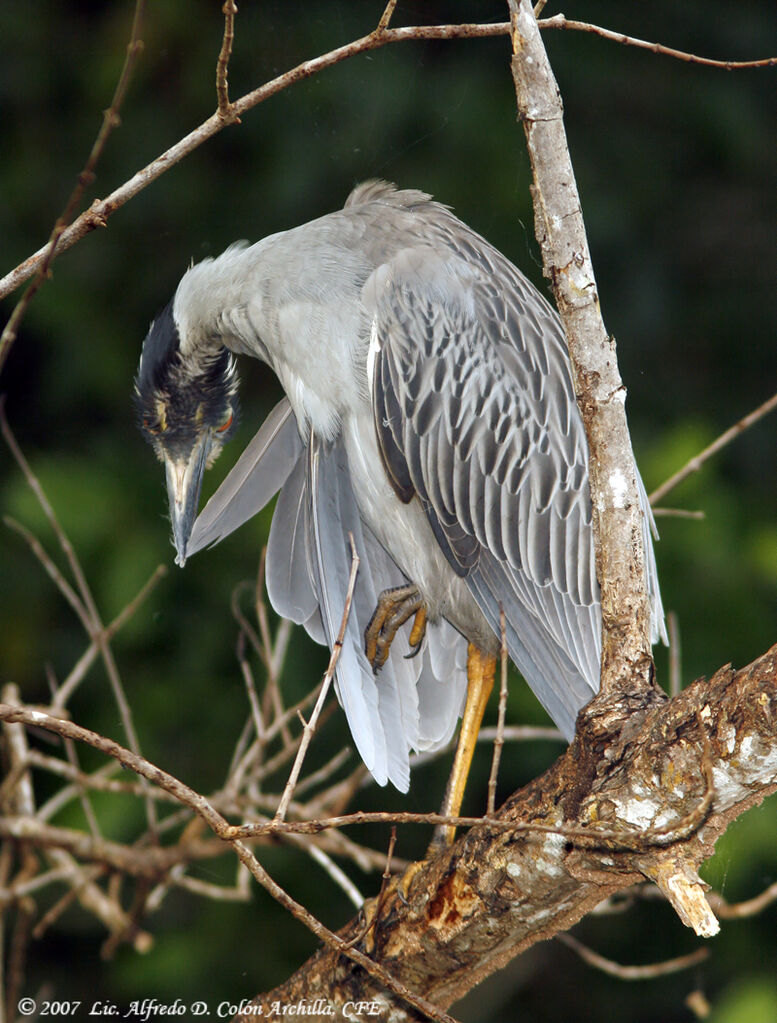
[{"x": 187, "y": 405}]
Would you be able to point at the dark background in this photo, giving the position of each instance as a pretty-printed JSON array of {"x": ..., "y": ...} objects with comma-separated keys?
[{"x": 677, "y": 169}]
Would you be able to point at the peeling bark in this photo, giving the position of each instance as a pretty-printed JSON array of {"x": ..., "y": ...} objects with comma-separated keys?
[
  {"x": 558, "y": 222},
  {"x": 448, "y": 923}
]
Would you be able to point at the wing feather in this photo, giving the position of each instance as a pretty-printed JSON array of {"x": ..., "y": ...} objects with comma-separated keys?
[
  {"x": 492, "y": 442},
  {"x": 394, "y": 712},
  {"x": 288, "y": 568},
  {"x": 254, "y": 480}
]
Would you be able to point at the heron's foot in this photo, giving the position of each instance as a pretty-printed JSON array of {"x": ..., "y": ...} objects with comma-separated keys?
[{"x": 394, "y": 608}]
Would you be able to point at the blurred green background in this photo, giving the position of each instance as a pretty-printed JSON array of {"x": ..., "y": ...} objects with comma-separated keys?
[{"x": 677, "y": 169}]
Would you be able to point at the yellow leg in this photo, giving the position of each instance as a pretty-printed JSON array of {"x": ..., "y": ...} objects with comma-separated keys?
[{"x": 481, "y": 668}]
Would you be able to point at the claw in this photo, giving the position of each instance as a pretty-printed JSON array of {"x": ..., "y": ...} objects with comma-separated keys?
[
  {"x": 417, "y": 633},
  {"x": 393, "y": 609}
]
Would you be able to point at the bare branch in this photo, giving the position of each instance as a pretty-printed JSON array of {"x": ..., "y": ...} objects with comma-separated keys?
[
  {"x": 385, "y": 18},
  {"x": 627, "y": 662},
  {"x": 559, "y": 21},
  {"x": 229, "y": 10},
  {"x": 339, "y": 876},
  {"x": 648, "y": 972},
  {"x": 739, "y": 910},
  {"x": 153, "y": 859},
  {"x": 65, "y": 690},
  {"x": 470, "y": 907},
  {"x": 712, "y": 449},
  {"x": 310, "y": 726},
  {"x": 51, "y": 570},
  {"x": 85, "y": 606},
  {"x": 678, "y": 513},
  {"x": 101, "y": 209},
  {"x": 85, "y": 178},
  {"x": 499, "y": 739}
]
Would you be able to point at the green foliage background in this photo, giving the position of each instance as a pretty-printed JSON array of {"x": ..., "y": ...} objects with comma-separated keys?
[{"x": 677, "y": 168}]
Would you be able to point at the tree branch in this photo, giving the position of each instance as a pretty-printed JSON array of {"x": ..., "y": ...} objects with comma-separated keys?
[
  {"x": 627, "y": 662},
  {"x": 559, "y": 21},
  {"x": 46, "y": 255},
  {"x": 448, "y": 923},
  {"x": 695, "y": 463},
  {"x": 101, "y": 209}
]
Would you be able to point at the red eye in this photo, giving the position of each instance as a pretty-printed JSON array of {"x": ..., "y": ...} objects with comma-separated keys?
[
  {"x": 226, "y": 425},
  {"x": 147, "y": 425}
]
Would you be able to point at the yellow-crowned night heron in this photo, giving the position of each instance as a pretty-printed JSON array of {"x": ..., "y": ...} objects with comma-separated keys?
[{"x": 429, "y": 411}]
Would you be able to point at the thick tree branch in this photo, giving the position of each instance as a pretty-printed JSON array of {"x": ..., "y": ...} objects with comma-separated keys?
[
  {"x": 450, "y": 922},
  {"x": 617, "y": 518}
]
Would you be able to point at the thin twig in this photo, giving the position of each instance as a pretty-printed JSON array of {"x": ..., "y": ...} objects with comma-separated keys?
[
  {"x": 248, "y": 678},
  {"x": 272, "y": 699},
  {"x": 241, "y": 750},
  {"x": 559, "y": 21},
  {"x": 208, "y": 890},
  {"x": 374, "y": 915},
  {"x": 675, "y": 654},
  {"x": 130, "y": 860},
  {"x": 739, "y": 910},
  {"x": 511, "y": 733},
  {"x": 725, "y": 438},
  {"x": 92, "y": 622},
  {"x": 310, "y": 726},
  {"x": 385, "y": 18},
  {"x": 315, "y": 778},
  {"x": 612, "y": 838},
  {"x": 647, "y": 972},
  {"x": 101, "y": 209},
  {"x": 329, "y": 866},
  {"x": 229, "y": 11},
  {"x": 335, "y": 941},
  {"x": 174, "y": 788},
  {"x": 85, "y": 661},
  {"x": 110, "y": 121},
  {"x": 51, "y": 570},
  {"x": 284, "y": 755},
  {"x": 679, "y": 513},
  {"x": 243, "y": 622},
  {"x": 499, "y": 740},
  {"x": 83, "y": 792}
]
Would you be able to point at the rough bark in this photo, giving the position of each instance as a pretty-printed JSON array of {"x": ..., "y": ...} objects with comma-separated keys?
[
  {"x": 452, "y": 921},
  {"x": 617, "y": 517}
]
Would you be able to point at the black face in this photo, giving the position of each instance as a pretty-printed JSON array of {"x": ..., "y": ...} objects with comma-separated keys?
[
  {"x": 187, "y": 408},
  {"x": 177, "y": 402}
]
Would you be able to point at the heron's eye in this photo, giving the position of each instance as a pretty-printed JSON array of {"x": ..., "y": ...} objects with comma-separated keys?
[
  {"x": 226, "y": 424},
  {"x": 151, "y": 426}
]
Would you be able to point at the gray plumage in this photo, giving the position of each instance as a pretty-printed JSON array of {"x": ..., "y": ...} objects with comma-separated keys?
[{"x": 429, "y": 411}]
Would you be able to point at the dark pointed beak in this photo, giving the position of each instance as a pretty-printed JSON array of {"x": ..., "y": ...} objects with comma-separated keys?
[{"x": 184, "y": 480}]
